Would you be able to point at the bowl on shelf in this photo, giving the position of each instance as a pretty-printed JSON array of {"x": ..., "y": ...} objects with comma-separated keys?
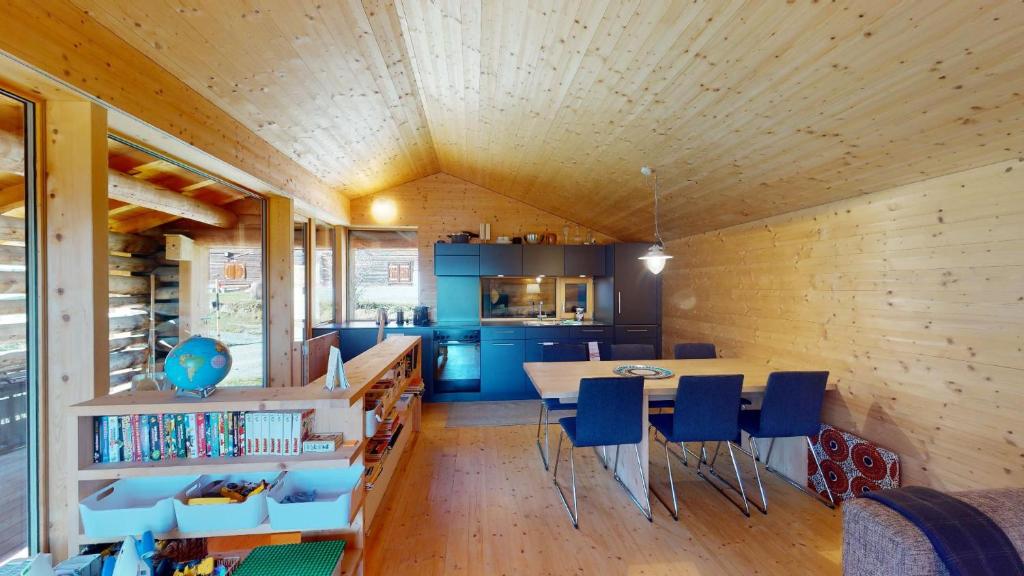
[{"x": 532, "y": 238}]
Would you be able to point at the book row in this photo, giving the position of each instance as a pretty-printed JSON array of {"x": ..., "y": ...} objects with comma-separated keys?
[{"x": 154, "y": 437}]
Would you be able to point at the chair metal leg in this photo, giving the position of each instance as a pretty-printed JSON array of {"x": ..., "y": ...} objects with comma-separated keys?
[
  {"x": 763, "y": 507},
  {"x": 643, "y": 480},
  {"x": 674, "y": 510},
  {"x": 574, "y": 513},
  {"x": 542, "y": 420},
  {"x": 602, "y": 457},
  {"x": 831, "y": 500},
  {"x": 738, "y": 489},
  {"x": 831, "y": 503}
]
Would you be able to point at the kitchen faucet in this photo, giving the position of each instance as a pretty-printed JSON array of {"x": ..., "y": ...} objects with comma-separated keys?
[{"x": 540, "y": 310}]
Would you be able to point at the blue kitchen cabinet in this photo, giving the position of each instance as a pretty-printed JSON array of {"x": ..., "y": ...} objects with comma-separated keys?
[
  {"x": 501, "y": 260},
  {"x": 355, "y": 341},
  {"x": 501, "y": 370},
  {"x": 456, "y": 259},
  {"x": 585, "y": 260},
  {"x": 543, "y": 260}
]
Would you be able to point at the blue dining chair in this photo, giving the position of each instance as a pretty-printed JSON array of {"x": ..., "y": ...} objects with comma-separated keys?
[
  {"x": 556, "y": 353},
  {"x": 631, "y": 352},
  {"x": 609, "y": 412},
  {"x": 694, "y": 351},
  {"x": 699, "y": 351},
  {"x": 791, "y": 407},
  {"x": 705, "y": 412}
]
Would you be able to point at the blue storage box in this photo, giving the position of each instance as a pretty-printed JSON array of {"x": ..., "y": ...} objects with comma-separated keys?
[
  {"x": 223, "y": 517},
  {"x": 331, "y": 508},
  {"x": 131, "y": 506}
]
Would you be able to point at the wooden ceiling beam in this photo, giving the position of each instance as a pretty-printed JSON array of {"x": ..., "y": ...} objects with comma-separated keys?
[
  {"x": 12, "y": 197},
  {"x": 148, "y": 195},
  {"x": 12, "y": 153}
]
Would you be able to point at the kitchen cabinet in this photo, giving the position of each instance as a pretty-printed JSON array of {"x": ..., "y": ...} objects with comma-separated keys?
[
  {"x": 501, "y": 333},
  {"x": 585, "y": 261},
  {"x": 543, "y": 260},
  {"x": 591, "y": 332},
  {"x": 637, "y": 293},
  {"x": 456, "y": 259},
  {"x": 639, "y": 334},
  {"x": 501, "y": 370},
  {"x": 501, "y": 260},
  {"x": 355, "y": 341}
]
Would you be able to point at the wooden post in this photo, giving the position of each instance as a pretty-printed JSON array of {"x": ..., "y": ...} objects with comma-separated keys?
[
  {"x": 278, "y": 276},
  {"x": 310, "y": 275},
  {"x": 194, "y": 292},
  {"x": 76, "y": 359},
  {"x": 340, "y": 273}
]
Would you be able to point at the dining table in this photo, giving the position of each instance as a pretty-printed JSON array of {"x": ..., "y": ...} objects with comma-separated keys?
[{"x": 561, "y": 380}]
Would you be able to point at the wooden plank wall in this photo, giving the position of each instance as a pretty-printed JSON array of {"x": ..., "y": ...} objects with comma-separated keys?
[
  {"x": 441, "y": 204},
  {"x": 912, "y": 297}
]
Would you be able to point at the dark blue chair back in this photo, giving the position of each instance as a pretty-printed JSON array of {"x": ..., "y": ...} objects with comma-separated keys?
[
  {"x": 632, "y": 352},
  {"x": 566, "y": 353},
  {"x": 609, "y": 411},
  {"x": 694, "y": 351},
  {"x": 706, "y": 408},
  {"x": 792, "y": 404}
]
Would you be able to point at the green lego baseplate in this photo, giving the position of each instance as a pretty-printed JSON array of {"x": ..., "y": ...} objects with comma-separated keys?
[{"x": 304, "y": 559}]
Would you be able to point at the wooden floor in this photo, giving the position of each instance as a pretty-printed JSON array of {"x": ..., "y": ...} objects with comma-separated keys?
[{"x": 478, "y": 501}]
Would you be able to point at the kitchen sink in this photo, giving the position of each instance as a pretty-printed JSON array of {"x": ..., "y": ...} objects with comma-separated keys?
[{"x": 553, "y": 322}]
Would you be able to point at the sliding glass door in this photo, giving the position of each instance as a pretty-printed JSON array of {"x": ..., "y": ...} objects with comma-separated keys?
[{"x": 19, "y": 299}]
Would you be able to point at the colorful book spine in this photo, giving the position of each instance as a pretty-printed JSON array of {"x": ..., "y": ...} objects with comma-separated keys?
[
  {"x": 127, "y": 448},
  {"x": 104, "y": 438},
  {"x": 136, "y": 439},
  {"x": 161, "y": 436},
  {"x": 179, "y": 436},
  {"x": 169, "y": 434},
  {"x": 201, "y": 435},
  {"x": 221, "y": 435},
  {"x": 155, "y": 453},
  {"x": 97, "y": 450},
  {"x": 144, "y": 437},
  {"x": 242, "y": 436}
]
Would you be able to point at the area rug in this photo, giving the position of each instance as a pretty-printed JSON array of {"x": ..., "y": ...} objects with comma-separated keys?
[{"x": 481, "y": 414}]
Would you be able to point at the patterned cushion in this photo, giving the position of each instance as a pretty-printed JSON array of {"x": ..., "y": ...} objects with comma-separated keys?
[
  {"x": 878, "y": 540},
  {"x": 851, "y": 465}
]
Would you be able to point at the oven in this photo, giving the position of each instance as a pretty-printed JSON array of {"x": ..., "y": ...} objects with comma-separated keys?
[{"x": 456, "y": 361}]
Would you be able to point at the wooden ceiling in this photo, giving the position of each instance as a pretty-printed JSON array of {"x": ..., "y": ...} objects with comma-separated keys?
[
  {"x": 125, "y": 216},
  {"x": 746, "y": 109}
]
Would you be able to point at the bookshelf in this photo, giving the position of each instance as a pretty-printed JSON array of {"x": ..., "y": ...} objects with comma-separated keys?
[{"x": 334, "y": 411}]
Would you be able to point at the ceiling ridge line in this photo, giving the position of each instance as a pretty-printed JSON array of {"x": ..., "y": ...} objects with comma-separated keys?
[{"x": 410, "y": 52}]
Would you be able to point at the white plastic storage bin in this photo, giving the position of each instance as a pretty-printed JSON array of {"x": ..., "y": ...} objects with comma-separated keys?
[
  {"x": 222, "y": 517},
  {"x": 332, "y": 506},
  {"x": 131, "y": 506}
]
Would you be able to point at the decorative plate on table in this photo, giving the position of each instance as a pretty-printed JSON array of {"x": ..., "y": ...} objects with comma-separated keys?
[{"x": 649, "y": 372}]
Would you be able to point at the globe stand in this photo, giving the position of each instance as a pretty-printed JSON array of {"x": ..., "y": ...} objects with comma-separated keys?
[{"x": 195, "y": 394}]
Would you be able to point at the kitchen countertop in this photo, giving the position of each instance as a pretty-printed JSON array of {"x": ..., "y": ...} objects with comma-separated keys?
[{"x": 453, "y": 324}]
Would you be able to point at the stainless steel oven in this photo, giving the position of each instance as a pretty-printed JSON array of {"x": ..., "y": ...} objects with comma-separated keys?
[{"x": 456, "y": 360}]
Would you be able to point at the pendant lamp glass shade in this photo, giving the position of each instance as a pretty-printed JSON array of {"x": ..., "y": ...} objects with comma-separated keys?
[{"x": 655, "y": 259}]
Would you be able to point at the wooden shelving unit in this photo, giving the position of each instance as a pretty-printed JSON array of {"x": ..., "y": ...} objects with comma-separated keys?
[{"x": 334, "y": 411}]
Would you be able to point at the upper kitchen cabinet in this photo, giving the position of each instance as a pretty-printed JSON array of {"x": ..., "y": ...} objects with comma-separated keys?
[
  {"x": 543, "y": 260},
  {"x": 501, "y": 260},
  {"x": 585, "y": 260},
  {"x": 456, "y": 259},
  {"x": 637, "y": 294}
]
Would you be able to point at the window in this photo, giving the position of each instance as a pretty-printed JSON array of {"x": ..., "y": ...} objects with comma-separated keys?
[
  {"x": 383, "y": 272},
  {"x": 324, "y": 270},
  {"x": 19, "y": 444},
  {"x": 518, "y": 297},
  {"x": 182, "y": 269},
  {"x": 399, "y": 272},
  {"x": 299, "y": 251}
]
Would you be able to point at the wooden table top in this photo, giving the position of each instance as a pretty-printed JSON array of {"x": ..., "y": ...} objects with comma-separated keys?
[{"x": 562, "y": 379}]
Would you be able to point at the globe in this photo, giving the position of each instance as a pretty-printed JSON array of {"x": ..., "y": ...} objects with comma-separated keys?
[{"x": 197, "y": 364}]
